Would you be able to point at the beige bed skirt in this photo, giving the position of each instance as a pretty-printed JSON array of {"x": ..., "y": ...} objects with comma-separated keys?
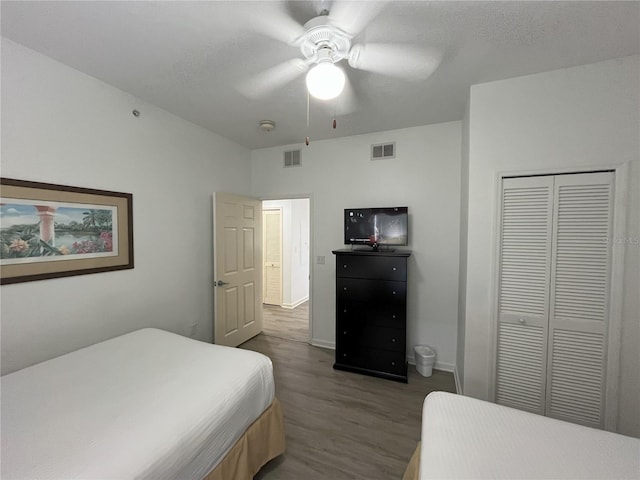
[
  {"x": 413, "y": 469},
  {"x": 262, "y": 441}
]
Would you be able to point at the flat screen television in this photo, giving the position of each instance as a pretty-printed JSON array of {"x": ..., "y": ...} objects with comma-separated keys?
[{"x": 376, "y": 226}]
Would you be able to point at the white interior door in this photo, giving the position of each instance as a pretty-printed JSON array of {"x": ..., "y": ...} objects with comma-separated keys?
[
  {"x": 272, "y": 248},
  {"x": 579, "y": 310},
  {"x": 523, "y": 297},
  {"x": 237, "y": 237}
]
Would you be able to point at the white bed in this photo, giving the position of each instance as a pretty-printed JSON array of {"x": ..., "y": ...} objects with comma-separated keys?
[
  {"x": 149, "y": 404},
  {"x": 467, "y": 438}
]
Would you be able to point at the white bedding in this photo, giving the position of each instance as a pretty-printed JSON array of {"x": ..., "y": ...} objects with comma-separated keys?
[
  {"x": 467, "y": 438},
  {"x": 149, "y": 404}
]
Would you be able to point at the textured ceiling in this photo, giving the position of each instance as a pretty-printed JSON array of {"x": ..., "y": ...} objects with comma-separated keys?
[{"x": 190, "y": 58}]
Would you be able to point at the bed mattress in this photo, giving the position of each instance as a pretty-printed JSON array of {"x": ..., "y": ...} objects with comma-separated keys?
[
  {"x": 467, "y": 438},
  {"x": 149, "y": 404}
]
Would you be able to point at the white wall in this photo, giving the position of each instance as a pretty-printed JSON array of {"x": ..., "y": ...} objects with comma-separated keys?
[
  {"x": 425, "y": 176},
  {"x": 295, "y": 249},
  {"x": 61, "y": 126},
  {"x": 587, "y": 116}
]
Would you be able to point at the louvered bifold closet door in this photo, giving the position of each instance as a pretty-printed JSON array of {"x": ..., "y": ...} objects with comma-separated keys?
[
  {"x": 523, "y": 297},
  {"x": 580, "y": 298}
]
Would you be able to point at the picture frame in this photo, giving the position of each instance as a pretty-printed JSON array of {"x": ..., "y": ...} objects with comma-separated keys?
[{"x": 50, "y": 231}]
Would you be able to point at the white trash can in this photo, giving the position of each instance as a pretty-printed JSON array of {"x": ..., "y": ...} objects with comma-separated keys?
[{"x": 425, "y": 358}]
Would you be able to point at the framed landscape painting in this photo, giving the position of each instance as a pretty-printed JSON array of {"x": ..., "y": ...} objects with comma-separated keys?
[{"x": 49, "y": 231}]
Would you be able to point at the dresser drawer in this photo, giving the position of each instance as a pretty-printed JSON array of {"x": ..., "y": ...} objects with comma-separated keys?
[
  {"x": 391, "y": 315},
  {"x": 374, "y": 291},
  {"x": 373, "y": 359},
  {"x": 372, "y": 267},
  {"x": 355, "y": 334}
]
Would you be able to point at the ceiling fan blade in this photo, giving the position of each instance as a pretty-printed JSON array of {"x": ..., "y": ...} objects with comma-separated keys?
[
  {"x": 395, "y": 60},
  {"x": 273, "y": 20},
  {"x": 275, "y": 77},
  {"x": 354, "y": 16}
]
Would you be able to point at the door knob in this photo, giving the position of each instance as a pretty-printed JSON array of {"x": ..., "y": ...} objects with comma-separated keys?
[{"x": 220, "y": 283}]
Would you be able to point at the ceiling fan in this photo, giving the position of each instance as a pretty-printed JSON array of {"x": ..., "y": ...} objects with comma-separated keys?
[{"x": 326, "y": 40}]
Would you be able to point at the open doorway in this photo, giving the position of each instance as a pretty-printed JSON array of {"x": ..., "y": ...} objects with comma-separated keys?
[{"x": 286, "y": 268}]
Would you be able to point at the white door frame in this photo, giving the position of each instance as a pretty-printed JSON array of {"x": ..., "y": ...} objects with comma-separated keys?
[
  {"x": 299, "y": 196},
  {"x": 616, "y": 286}
]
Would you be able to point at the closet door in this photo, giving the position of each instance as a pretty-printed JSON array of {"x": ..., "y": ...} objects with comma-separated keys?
[
  {"x": 579, "y": 302},
  {"x": 523, "y": 296}
]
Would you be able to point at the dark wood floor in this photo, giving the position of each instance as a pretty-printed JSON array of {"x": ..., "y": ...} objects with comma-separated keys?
[
  {"x": 342, "y": 425},
  {"x": 287, "y": 323}
]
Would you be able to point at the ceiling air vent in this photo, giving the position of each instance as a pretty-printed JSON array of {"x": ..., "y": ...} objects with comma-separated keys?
[
  {"x": 383, "y": 150},
  {"x": 292, "y": 158}
]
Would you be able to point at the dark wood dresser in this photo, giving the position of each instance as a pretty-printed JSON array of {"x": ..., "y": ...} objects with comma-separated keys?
[{"x": 371, "y": 312}]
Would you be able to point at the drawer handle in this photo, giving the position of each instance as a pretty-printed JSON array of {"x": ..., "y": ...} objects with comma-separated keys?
[
  {"x": 393, "y": 293},
  {"x": 344, "y": 289},
  {"x": 345, "y": 310},
  {"x": 393, "y": 364},
  {"x": 393, "y": 316},
  {"x": 394, "y": 269},
  {"x": 344, "y": 266},
  {"x": 393, "y": 340},
  {"x": 521, "y": 321},
  {"x": 344, "y": 354},
  {"x": 344, "y": 333}
]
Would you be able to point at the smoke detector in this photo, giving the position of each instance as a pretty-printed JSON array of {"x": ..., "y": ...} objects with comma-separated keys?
[{"x": 267, "y": 125}]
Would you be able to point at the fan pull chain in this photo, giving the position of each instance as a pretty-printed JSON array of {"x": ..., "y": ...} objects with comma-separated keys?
[
  {"x": 334, "y": 115},
  {"x": 306, "y": 140}
]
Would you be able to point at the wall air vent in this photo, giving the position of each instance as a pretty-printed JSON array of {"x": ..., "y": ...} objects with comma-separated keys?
[
  {"x": 383, "y": 150},
  {"x": 292, "y": 158}
]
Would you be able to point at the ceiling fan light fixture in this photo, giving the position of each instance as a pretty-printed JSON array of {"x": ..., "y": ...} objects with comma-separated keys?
[{"x": 325, "y": 81}]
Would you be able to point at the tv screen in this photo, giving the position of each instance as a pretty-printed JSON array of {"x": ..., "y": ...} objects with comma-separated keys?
[{"x": 376, "y": 226}]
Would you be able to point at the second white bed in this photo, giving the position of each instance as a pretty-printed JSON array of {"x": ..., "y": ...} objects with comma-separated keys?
[{"x": 466, "y": 438}]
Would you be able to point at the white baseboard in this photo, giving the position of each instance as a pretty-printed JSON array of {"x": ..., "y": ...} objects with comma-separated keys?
[
  {"x": 323, "y": 344},
  {"x": 291, "y": 306},
  {"x": 457, "y": 380},
  {"x": 447, "y": 367}
]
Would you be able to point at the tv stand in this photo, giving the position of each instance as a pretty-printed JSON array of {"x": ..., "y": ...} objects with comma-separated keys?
[
  {"x": 371, "y": 312},
  {"x": 372, "y": 248}
]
